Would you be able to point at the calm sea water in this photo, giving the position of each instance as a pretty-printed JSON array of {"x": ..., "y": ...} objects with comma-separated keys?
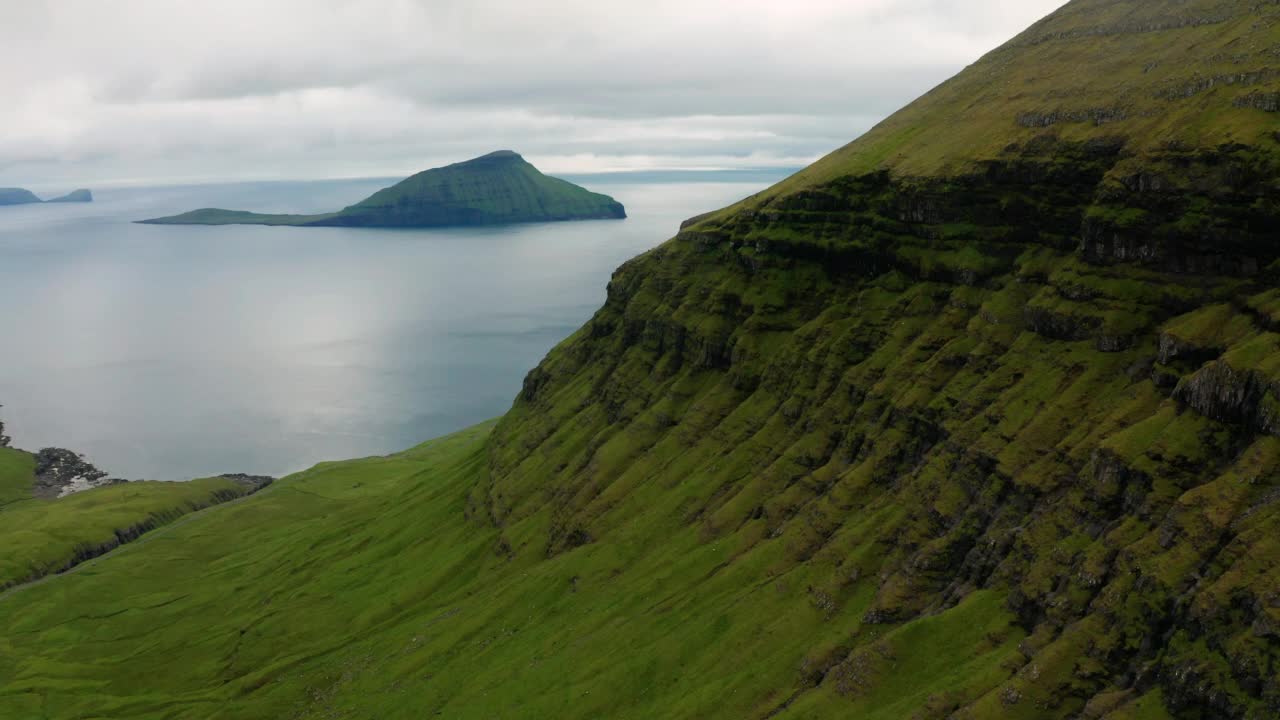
[{"x": 177, "y": 352}]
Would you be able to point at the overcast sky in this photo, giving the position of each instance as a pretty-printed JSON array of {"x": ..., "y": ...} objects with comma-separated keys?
[{"x": 138, "y": 91}]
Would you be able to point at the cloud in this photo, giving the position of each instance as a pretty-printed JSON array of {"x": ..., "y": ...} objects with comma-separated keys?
[{"x": 160, "y": 90}]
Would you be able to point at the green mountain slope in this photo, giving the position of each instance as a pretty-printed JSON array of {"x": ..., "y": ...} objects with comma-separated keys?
[
  {"x": 497, "y": 188},
  {"x": 366, "y": 589},
  {"x": 1162, "y": 75},
  {"x": 919, "y": 433},
  {"x": 42, "y": 535}
]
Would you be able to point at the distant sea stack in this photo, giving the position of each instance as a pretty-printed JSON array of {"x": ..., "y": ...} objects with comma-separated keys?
[
  {"x": 19, "y": 196},
  {"x": 495, "y": 189}
]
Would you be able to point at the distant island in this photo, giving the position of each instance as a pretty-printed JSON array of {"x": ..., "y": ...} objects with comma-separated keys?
[
  {"x": 495, "y": 189},
  {"x": 19, "y": 196}
]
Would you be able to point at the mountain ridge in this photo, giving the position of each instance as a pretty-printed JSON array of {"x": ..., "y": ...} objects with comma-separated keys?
[{"x": 1157, "y": 105}]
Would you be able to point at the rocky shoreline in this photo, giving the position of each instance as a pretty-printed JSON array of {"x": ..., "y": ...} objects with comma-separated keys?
[
  {"x": 57, "y": 473},
  {"x": 60, "y": 472}
]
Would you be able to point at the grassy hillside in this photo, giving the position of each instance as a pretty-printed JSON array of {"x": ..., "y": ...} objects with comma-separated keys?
[
  {"x": 494, "y": 189},
  {"x": 40, "y": 537},
  {"x": 17, "y": 471},
  {"x": 976, "y": 420},
  {"x": 363, "y": 589},
  {"x": 1195, "y": 74}
]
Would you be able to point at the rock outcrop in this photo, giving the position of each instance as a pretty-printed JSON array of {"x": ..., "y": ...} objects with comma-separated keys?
[
  {"x": 1223, "y": 393},
  {"x": 61, "y": 472},
  {"x": 252, "y": 483}
]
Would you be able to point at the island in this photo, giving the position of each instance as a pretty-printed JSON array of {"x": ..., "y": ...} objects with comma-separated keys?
[
  {"x": 495, "y": 189},
  {"x": 81, "y": 195},
  {"x": 19, "y": 196}
]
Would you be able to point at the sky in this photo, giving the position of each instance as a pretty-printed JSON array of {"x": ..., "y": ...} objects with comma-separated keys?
[{"x": 135, "y": 92}]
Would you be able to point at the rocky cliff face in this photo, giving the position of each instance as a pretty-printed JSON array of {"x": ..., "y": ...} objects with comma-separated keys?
[
  {"x": 251, "y": 483},
  {"x": 1051, "y": 372},
  {"x": 61, "y": 472}
]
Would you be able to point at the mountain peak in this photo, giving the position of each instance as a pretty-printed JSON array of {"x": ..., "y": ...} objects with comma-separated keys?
[
  {"x": 500, "y": 155},
  {"x": 495, "y": 159}
]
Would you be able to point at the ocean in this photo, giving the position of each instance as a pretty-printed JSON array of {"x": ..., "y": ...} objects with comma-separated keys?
[{"x": 174, "y": 352}]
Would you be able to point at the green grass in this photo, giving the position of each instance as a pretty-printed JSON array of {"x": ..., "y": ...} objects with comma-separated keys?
[
  {"x": 937, "y": 662},
  {"x": 17, "y": 472},
  {"x": 44, "y": 536},
  {"x": 362, "y": 588},
  {"x": 403, "y": 606},
  {"x": 39, "y": 537}
]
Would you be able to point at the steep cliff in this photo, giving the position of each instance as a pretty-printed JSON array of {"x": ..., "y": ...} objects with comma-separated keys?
[{"x": 1020, "y": 338}]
